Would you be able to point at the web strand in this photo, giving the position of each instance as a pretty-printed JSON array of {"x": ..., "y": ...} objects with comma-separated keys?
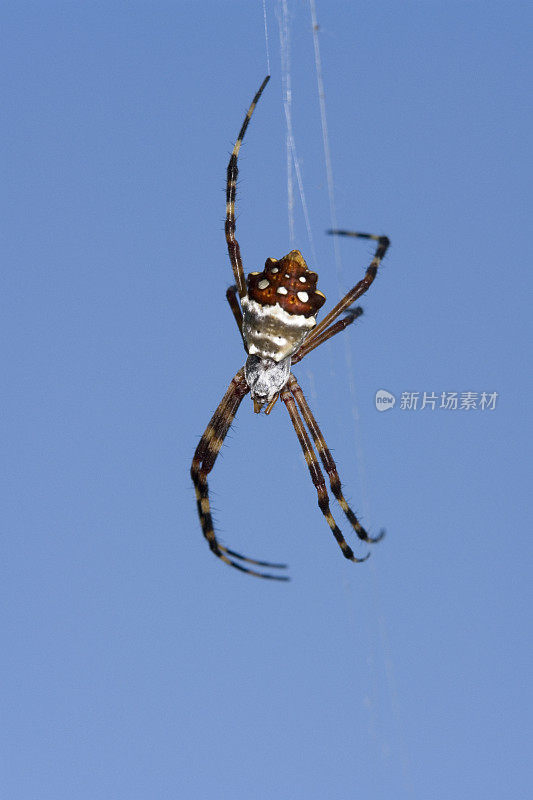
[
  {"x": 292, "y": 154},
  {"x": 384, "y": 641},
  {"x": 266, "y": 37},
  {"x": 325, "y": 141}
]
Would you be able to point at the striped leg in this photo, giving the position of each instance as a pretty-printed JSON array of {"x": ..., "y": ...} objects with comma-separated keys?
[
  {"x": 204, "y": 461},
  {"x": 316, "y": 474},
  {"x": 231, "y": 297},
  {"x": 359, "y": 288},
  {"x": 231, "y": 190},
  {"x": 337, "y": 327},
  {"x": 328, "y": 462}
]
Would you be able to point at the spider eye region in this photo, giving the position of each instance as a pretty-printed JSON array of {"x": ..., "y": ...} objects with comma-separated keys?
[{"x": 266, "y": 377}]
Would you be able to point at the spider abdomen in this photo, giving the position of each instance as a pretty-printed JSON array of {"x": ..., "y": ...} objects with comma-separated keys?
[
  {"x": 270, "y": 332},
  {"x": 281, "y": 306}
]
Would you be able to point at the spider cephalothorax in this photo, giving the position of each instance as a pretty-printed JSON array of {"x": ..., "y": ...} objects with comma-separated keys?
[{"x": 276, "y": 317}]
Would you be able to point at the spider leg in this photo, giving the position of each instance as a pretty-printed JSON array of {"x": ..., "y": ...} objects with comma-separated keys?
[
  {"x": 359, "y": 288},
  {"x": 231, "y": 190},
  {"x": 337, "y": 327},
  {"x": 204, "y": 461},
  {"x": 316, "y": 474},
  {"x": 258, "y": 563},
  {"x": 328, "y": 462},
  {"x": 231, "y": 297}
]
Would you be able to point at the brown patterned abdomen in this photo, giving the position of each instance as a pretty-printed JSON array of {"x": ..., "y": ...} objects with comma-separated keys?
[{"x": 289, "y": 283}]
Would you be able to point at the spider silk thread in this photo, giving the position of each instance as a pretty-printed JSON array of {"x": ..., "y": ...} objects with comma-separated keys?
[
  {"x": 266, "y": 37},
  {"x": 384, "y": 640},
  {"x": 293, "y": 163}
]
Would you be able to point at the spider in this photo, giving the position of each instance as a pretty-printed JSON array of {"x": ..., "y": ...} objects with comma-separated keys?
[{"x": 276, "y": 317}]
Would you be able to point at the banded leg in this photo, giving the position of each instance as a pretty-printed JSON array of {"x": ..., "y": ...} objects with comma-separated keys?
[
  {"x": 308, "y": 346},
  {"x": 359, "y": 288},
  {"x": 231, "y": 297},
  {"x": 231, "y": 190},
  {"x": 316, "y": 474},
  {"x": 204, "y": 461},
  {"x": 328, "y": 462}
]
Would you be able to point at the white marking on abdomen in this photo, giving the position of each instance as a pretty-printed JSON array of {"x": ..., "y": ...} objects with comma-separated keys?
[{"x": 271, "y": 332}]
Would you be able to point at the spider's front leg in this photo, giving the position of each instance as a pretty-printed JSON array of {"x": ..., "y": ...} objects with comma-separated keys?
[
  {"x": 232, "y": 173},
  {"x": 204, "y": 461},
  {"x": 239, "y": 289},
  {"x": 359, "y": 289}
]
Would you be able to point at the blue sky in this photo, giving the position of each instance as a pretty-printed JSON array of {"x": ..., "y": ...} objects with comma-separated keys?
[{"x": 135, "y": 664}]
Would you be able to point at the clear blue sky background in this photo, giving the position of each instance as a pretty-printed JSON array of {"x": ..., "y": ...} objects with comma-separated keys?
[{"x": 134, "y": 664}]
